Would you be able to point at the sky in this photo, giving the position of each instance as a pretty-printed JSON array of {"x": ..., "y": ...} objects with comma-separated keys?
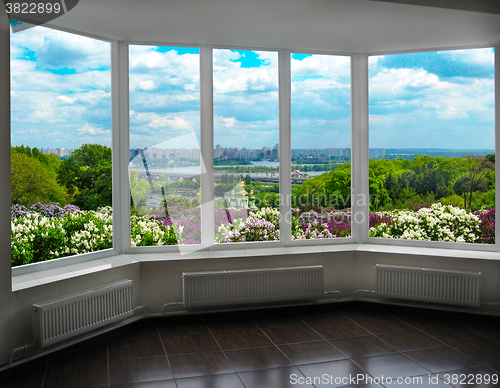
[
  {"x": 61, "y": 96},
  {"x": 60, "y": 89},
  {"x": 433, "y": 100}
]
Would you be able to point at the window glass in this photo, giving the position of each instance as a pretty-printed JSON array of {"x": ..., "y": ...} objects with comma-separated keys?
[
  {"x": 321, "y": 146},
  {"x": 164, "y": 145},
  {"x": 432, "y": 136},
  {"x": 246, "y": 138},
  {"x": 60, "y": 144}
]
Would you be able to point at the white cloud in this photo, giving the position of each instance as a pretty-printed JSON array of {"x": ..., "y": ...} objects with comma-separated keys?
[
  {"x": 229, "y": 122},
  {"x": 65, "y": 100}
]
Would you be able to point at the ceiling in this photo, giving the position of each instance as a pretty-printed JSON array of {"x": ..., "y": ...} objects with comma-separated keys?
[{"x": 341, "y": 26}]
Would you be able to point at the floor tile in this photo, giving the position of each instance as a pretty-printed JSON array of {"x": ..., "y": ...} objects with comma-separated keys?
[
  {"x": 139, "y": 370},
  {"x": 316, "y": 317},
  {"x": 92, "y": 350},
  {"x": 291, "y": 334},
  {"x": 184, "y": 344},
  {"x": 275, "y": 378},
  {"x": 121, "y": 349},
  {"x": 422, "y": 320},
  {"x": 453, "y": 334},
  {"x": 485, "y": 351},
  {"x": 73, "y": 373},
  {"x": 333, "y": 374},
  {"x": 335, "y": 329},
  {"x": 214, "y": 381},
  {"x": 136, "y": 331},
  {"x": 277, "y": 321},
  {"x": 186, "y": 328},
  {"x": 256, "y": 358},
  {"x": 376, "y": 322},
  {"x": 242, "y": 339},
  {"x": 220, "y": 326},
  {"x": 311, "y": 352},
  {"x": 367, "y": 345},
  {"x": 199, "y": 364},
  {"x": 441, "y": 359},
  {"x": 390, "y": 365},
  {"x": 409, "y": 340}
]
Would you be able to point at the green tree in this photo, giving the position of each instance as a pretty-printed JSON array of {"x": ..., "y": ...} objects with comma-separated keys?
[
  {"x": 32, "y": 181},
  {"x": 338, "y": 188},
  {"x": 473, "y": 178},
  {"x": 86, "y": 174}
]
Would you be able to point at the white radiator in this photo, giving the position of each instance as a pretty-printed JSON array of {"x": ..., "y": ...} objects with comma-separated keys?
[
  {"x": 214, "y": 288},
  {"x": 429, "y": 285},
  {"x": 65, "y": 317}
]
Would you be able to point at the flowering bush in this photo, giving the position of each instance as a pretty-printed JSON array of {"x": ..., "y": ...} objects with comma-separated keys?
[
  {"x": 486, "y": 226},
  {"x": 44, "y": 232},
  {"x": 329, "y": 223},
  {"x": 36, "y": 237},
  {"x": 436, "y": 223}
]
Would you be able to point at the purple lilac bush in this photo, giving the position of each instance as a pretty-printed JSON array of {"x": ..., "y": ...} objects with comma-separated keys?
[
  {"x": 47, "y": 210},
  {"x": 486, "y": 226}
]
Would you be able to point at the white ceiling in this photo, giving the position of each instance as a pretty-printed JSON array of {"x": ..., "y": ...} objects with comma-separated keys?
[{"x": 342, "y": 26}]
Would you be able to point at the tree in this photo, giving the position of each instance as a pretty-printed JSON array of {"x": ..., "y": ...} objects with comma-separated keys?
[
  {"x": 86, "y": 174},
  {"x": 473, "y": 178},
  {"x": 339, "y": 187},
  {"x": 32, "y": 182}
]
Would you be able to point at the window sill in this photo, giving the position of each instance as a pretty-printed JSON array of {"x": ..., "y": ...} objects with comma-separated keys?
[
  {"x": 27, "y": 280},
  {"x": 33, "y": 279}
]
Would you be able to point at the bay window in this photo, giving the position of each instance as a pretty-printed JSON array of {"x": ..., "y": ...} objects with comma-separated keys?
[{"x": 430, "y": 141}]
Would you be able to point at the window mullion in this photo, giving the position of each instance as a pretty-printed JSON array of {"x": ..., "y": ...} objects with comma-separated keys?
[
  {"x": 359, "y": 155},
  {"x": 207, "y": 146},
  {"x": 497, "y": 139},
  {"x": 120, "y": 145},
  {"x": 285, "y": 144}
]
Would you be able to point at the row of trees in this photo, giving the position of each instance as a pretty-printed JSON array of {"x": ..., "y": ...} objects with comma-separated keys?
[
  {"x": 84, "y": 179},
  {"x": 403, "y": 184}
]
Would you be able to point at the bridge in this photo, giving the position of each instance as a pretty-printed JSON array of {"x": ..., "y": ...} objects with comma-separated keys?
[{"x": 176, "y": 177}]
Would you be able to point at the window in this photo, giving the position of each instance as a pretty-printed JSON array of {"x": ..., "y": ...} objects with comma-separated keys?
[
  {"x": 164, "y": 146},
  {"x": 246, "y": 138},
  {"x": 321, "y": 146},
  {"x": 432, "y": 136},
  {"x": 61, "y": 138}
]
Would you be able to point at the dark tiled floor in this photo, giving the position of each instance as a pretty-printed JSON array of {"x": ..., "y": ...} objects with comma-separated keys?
[{"x": 334, "y": 345}]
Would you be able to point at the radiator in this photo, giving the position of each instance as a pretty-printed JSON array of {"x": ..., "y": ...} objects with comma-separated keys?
[
  {"x": 68, "y": 316},
  {"x": 215, "y": 288},
  {"x": 429, "y": 285}
]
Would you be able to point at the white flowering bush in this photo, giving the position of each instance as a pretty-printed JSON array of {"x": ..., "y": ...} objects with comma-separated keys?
[
  {"x": 436, "y": 223},
  {"x": 253, "y": 228},
  {"x": 148, "y": 231},
  {"x": 38, "y": 237}
]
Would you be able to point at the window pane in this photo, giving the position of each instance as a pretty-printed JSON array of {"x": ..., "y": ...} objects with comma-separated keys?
[
  {"x": 61, "y": 139},
  {"x": 432, "y": 136},
  {"x": 321, "y": 146},
  {"x": 246, "y": 155},
  {"x": 164, "y": 145}
]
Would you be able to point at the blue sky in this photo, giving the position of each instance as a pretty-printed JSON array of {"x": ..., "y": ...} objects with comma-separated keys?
[
  {"x": 433, "y": 100},
  {"x": 61, "y": 96},
  {"x": 60, "y": 89}
]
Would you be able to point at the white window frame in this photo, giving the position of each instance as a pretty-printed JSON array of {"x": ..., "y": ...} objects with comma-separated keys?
[{"x": 359, "y": 165}]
